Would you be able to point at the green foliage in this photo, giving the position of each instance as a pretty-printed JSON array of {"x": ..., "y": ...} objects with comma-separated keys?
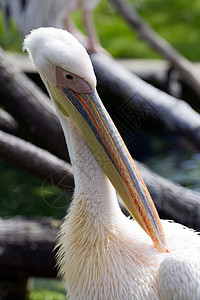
[
  {"x": 46, "y": 295},
  {"x": 47, "y": 289},
  {"x": 9, "y": 39},
  {"x": 177, "y": 21},
  {"x": 22, "y": 193}
]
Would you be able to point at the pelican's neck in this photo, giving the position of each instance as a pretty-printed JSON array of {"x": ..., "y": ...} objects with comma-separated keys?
[{"x": 91, "y": 184}]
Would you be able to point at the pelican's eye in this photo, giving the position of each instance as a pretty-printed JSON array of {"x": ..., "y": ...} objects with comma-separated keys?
[
  {"x": 64, "y": 78},
  {"x": 68, "y": 76}
]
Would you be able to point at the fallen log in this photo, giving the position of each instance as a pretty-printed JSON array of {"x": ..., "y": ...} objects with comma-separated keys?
[
  {"x": 8, "y": 123},
  {"x": 36, "y": 161},
  {"x": 26, "y": 250},
  {"x": 27, "y": 247}
]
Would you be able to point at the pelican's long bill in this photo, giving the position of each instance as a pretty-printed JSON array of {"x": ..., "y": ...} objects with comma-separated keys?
[{"x": 106, "y": 144}]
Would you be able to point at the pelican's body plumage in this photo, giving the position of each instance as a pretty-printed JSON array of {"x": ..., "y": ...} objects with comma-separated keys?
[
  {"x": 105, "y": 255},
  {"x": 102, "y": 253}
]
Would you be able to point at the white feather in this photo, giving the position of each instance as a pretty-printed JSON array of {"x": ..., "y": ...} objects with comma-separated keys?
[{"x": 41, "y": 45}]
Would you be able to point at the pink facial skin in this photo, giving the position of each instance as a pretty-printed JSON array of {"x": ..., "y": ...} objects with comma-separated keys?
[{"x": 74, "y": 82}]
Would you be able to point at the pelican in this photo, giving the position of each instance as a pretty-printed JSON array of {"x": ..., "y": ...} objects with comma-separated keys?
[
  {"x": 31, "y": 14},
  {"x": 102, "y": 253}
]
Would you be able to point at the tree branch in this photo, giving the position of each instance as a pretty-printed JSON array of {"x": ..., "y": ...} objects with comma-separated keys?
[
  {"x": 36, "y": 160},
  {"x": 8, "y": 123},
  {"x": 188, "y": 70}
]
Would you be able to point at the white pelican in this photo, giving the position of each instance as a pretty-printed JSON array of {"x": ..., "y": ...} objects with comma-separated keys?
[
  {"x": 103, "y": 254},
  {"x": 32, "y": 14}
]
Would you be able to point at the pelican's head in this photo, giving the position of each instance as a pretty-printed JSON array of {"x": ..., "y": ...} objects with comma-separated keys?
[
  {"x": 66, "y": 70},
  {"x": 50, "y": 49}
]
